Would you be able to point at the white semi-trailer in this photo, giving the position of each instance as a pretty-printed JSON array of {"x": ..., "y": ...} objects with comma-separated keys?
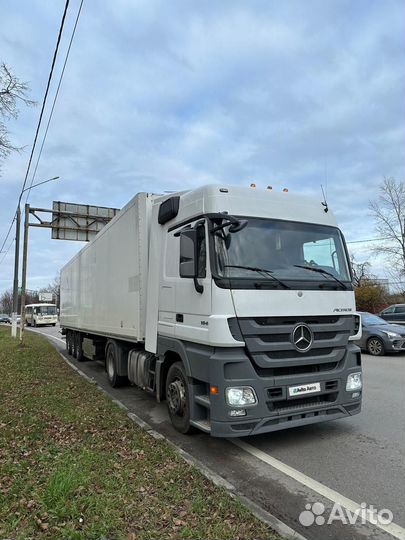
[{"x": 235, "y": 305}]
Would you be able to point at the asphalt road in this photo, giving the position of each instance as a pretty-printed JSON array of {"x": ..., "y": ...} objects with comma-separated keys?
[{"x": 352, "y": 461}]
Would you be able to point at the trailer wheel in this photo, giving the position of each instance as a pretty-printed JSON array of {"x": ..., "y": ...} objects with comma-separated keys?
[
  {"x": 74, "y": 344},
  {"x": 69, "y": 342},
  {"x": 79, "y": 347},
  {"x": 111, "y": 359},
  {"x": 178, "y": 398}
]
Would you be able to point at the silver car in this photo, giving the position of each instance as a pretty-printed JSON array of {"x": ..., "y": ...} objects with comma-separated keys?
[{"x": 379, "y": 336}]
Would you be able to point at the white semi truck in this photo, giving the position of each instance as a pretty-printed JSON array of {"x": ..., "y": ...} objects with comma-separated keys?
[{"x": 235, "y": 305}]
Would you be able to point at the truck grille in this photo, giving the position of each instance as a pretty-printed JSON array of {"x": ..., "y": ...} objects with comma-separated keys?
[{"x": 269, "y": 344}]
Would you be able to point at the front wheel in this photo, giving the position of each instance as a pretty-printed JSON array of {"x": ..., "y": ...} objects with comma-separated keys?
[
  {"x": 375, "y": 346},
  {"x": 178, "y": 398}
]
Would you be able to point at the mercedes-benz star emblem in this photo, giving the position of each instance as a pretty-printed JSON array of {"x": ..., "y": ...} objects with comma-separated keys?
[{"x": 302, "y": 337}]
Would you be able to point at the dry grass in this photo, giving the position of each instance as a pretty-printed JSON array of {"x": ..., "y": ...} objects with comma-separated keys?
[{"x": 73, "y": 466}]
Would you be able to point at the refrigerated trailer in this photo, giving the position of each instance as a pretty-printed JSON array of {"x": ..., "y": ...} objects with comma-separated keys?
[{"x": 234, "y": 305}]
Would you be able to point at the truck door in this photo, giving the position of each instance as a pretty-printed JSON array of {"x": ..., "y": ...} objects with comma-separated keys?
[{"x": 183, "y": 311}]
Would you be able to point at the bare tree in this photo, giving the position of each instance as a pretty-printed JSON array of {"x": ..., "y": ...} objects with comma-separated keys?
[
  {"x": 6, "y": 302},
  {"x": 389, "y": 214},
  {"x": 361, "y": 272},
  {"x": 12, "y": 91},
  {"x": 54, "y": 288}
]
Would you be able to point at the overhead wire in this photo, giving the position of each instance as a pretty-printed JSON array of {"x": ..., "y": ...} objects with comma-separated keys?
[
  {"x": 55, "y": 98},
  {"x": 40, "y": 116},
  {"x": 4, "y": 253}
]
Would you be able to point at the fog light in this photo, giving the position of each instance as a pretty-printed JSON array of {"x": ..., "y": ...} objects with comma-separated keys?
[
  {"x": 356, "y": 394},
  {"x": 237, "y": 412},
  {"x": 240, "y": 395},
  {"x": 353, "y": 382}
]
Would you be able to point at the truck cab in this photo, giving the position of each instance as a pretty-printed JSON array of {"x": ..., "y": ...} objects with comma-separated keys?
[{"x": 255, "y": 297}]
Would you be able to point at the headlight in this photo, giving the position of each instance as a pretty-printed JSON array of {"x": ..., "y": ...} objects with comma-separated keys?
[
  {"x": 391, "y": 335},
  {"x": 353, "y": 382},
  {"x": 240, "y": 396}
]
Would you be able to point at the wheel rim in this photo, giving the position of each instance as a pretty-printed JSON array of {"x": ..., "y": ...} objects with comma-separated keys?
[
  {"x": 110, "y": 367},
  {"x": 375, "y": 346},
  {"x": 176, "y": 397}
]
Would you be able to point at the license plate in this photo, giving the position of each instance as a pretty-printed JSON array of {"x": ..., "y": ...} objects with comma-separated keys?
[{"x": 309, "y": 388}]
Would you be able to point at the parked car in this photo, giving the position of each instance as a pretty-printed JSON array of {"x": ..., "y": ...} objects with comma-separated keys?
[
  {"x": 394, "y": 313},
  {"x": 379, "y": 336},
  {"x": 8, "y": 319},
  {"x": 4, "y": 318}
]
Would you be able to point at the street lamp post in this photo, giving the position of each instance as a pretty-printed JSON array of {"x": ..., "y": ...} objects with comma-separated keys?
[{"x": 17, "y": 256}]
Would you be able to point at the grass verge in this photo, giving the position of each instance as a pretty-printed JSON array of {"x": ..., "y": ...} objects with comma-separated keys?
[{"x": 73, "y": 466}]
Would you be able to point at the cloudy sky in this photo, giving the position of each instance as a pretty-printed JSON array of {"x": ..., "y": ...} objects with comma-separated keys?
[{"x": 162, "y": 95}]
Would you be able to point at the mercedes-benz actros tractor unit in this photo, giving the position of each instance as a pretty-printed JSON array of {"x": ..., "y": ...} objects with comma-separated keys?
[{"x": 235, "y": 305}]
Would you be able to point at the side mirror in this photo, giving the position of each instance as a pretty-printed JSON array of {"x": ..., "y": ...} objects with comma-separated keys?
[{"x": 188, "y": 253}]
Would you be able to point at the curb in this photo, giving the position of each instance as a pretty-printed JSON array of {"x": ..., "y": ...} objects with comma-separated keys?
[{"x": 269, "y": 519}]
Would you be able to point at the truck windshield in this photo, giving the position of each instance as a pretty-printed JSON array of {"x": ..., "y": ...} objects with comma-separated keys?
[
  {"x": 47, "y": 310},
  {"x": 291, "y": 251}
]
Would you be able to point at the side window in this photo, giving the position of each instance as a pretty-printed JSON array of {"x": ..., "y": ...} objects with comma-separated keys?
[
  {"x": 400, "y": 309},
  {"x": 321, "y": 253},
  {"x": 389, "y": 310},
  {"x": 202, "y": 252}
]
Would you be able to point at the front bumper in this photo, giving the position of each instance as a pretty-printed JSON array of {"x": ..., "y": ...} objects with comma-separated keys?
[
  {"x": 394, "y": 345},
  {"x": 269, "y": 424},
  {"x": 276, "y": 409}
]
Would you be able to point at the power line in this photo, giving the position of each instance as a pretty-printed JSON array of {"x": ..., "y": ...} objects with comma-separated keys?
[
  {"x": 46, "y": 92},
  {"x": 55, "y": 98},
  {"x": 41, "y": 114},
  {"x": 369, "y": 240},
  {"x": 7, "y": 250},
  {"x": 7, "y": 235}
]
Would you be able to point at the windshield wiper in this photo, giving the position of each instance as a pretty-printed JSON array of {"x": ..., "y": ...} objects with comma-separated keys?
[
  {"x": 322, "y": 271},
  {"x": 263, "y": 271}
]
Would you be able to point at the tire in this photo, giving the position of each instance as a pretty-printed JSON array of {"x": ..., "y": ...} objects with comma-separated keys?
[
  {"x": 79, "y": 347},
  {"x": 178, "y": 398},
  {"x": 54, "y": 324},
  {"x": 74, "y": 344},
  {"x": 69, "y": 348},
  {"x": 375, "y": 346},
  {"x": 111, "y": 359}
]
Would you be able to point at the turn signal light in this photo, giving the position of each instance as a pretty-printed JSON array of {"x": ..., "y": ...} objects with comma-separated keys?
[{"x": 214, "y": 390}]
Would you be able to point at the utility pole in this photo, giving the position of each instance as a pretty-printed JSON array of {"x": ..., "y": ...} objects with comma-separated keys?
[
  {"x": 24, "y": 271},
  {"x": 17, "y": 256},
  {"x": 15, "y": 284}
]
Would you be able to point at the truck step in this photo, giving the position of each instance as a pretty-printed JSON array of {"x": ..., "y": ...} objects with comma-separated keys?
[
  {"x": 204, "y": 425},
  {"x": 203, "y": 400}
]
